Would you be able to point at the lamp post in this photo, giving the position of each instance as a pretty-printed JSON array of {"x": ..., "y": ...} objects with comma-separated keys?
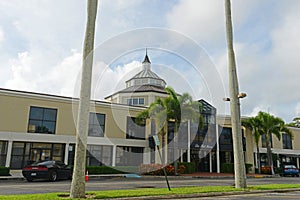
[{"x": 239, "y": 163}]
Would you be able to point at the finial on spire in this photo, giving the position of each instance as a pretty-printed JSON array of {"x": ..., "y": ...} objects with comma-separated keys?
[{"x": 146, "y": 57}]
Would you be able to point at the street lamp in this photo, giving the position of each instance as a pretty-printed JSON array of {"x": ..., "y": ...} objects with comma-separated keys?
[{"x": 240, "y": 96}]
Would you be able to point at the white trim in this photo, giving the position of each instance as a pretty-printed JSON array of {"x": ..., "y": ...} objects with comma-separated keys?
[{"x": 8, "y": 153}]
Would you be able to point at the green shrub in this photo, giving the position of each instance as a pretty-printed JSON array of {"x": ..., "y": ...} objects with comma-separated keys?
[
  {"x": 190, "y": 167},
  {"x": 248, "y": 167},
  {"x": 4, "y": 171},
  {"x": 229, "y": 167}
]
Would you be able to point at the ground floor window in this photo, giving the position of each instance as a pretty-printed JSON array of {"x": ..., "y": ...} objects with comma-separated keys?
[
  {"x": 3, "y": 151},
  {"x": 96, "y": 155},
  {"x": 129, "y": 156},
  {"x": 99, "y": 155},
  {"x": 24, "y": 153}
]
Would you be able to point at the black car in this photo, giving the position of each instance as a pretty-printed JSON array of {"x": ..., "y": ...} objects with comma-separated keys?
[{"x": 50, "y": 170}]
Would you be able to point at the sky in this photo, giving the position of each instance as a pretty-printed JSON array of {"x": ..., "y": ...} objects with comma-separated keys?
[{"x": 41, "y": 48}]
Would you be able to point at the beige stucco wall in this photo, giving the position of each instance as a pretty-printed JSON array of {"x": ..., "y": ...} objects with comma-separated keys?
[
  {"x": 296, "y": 141},
  {"x": 16, "y": 109}
]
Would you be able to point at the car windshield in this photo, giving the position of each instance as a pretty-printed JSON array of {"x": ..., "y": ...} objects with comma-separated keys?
[
  {"x": 47, "y": 162},
  {"x": 290, "y": 167}
]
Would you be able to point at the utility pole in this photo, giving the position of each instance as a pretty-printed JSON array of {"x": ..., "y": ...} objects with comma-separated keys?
[{"x": 239, "y": 163}]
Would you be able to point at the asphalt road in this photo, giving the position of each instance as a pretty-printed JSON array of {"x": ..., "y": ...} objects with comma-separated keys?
[{"x": 23, "y": 187}]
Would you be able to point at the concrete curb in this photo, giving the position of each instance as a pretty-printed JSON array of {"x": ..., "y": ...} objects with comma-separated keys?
[{"x": 200, "y": 195}]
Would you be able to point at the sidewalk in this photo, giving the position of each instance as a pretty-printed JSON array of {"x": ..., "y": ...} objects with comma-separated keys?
[
  {"x": 225, "y": 175},
  {"x": 17, "y": 175}
]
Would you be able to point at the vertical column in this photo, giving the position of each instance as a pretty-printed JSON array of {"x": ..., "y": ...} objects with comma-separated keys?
[
  {"x": 181, "y": 153},
  {"x": 189, "y": 142},
  {"x": 210, "y": 162},
  {"x": 114, "y": 154},
  {"x": 147, "y": 155},
  {"x": 8, "y": 154},
  {"x": 66, "y": 153},
  {"x": 218, "y": 149},
  {"x": 256, "y": 160},
  {"x": 298, "y": 161}
]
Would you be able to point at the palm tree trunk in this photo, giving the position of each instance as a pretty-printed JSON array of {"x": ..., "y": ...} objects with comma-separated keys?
[
  {"x": 269, "y": 152},
  {"x": 258, "y": 158},
  {"x": 175, "y": 148},
  {"x": 239, "y": 163},
  {"x": 78, "y": 182}
]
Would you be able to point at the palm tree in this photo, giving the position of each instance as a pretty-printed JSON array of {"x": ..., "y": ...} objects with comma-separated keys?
[
  {"x": 239, "y": 163},
  {"x": 295, "y": 122},
  {"x": 254, "y": 125},
  {"x": 157, "y": 113},
  {"x": 174, "y": 107},
  {"x": 78, "y": 182},
  {"x": 271, "y": 125},
  {"x": 181, "y": 108}
]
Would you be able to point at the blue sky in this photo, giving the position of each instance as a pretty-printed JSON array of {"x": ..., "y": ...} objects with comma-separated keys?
[{"x": 41, "y": 45}]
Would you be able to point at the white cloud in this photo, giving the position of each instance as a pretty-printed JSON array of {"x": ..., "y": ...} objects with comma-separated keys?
[
  {"x": 62, "y": 78},
  {"x": 1, "y": 35},
  {"x": 24, "y": 78},
  {"x": 107, "y": 81},
  {"x": 297, "y": 110}
]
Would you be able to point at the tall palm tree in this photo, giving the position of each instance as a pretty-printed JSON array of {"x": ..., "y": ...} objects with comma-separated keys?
[
  {"x": 181, "y": 108},
  {"x": 254, "y": 124},
  {"x": 239, "y": 163},
  {"x": 78, "y": 182},
  {"x": 271, "y": 125},
  {"x": 157, "y": 113},
  {"x": 174, "y": 107}
]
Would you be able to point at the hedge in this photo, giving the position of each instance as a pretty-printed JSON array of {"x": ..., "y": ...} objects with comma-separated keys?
[
  {"x": 229, "y": 167},
  {"x": 4, "y": 171},
  {"x": 190, "y": 167}
]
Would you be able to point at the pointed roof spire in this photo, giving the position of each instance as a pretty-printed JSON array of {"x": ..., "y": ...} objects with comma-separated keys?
[{"x": 146, "y": 59}]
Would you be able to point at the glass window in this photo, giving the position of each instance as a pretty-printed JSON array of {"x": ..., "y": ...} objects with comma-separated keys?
[
  {"x": 42, "y": 120},
  {"x": 98, "y": 155},
  {"x": 96, "y": 124},
  {"x": 135, "y": 101},
  {"x": 141, "y": 101},
  {"x": 129, "y": 156},
  {"x": 286, "y": 141},
  {"x": 134, "y": 130},
  {"x": 3, "y": 149}
]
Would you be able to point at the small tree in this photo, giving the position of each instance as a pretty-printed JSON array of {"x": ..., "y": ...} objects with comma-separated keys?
[
  {"x": 271, "y": 125},
  {"x": 254, "y": 125}
]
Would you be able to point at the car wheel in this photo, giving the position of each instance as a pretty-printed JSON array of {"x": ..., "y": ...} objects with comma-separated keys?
[
  {"x": 29, "y": 179},
  {"x": 53, "y": 176}
]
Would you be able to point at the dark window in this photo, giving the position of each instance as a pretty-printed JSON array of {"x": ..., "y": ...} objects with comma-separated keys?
[
  {"x": 96, "y": 124},
  {"x": 42, "y": 120},
  {"x": 135, "y": 130},
  {"x": 286, "y": 141},
  {"x": 97, "y": 155},
  {"x": 129, "y": 156},
  {"x": 3, "y": 151}
]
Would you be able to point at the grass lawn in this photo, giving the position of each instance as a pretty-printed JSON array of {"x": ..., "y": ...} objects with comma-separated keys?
[{"x": 148, "y": 192}]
